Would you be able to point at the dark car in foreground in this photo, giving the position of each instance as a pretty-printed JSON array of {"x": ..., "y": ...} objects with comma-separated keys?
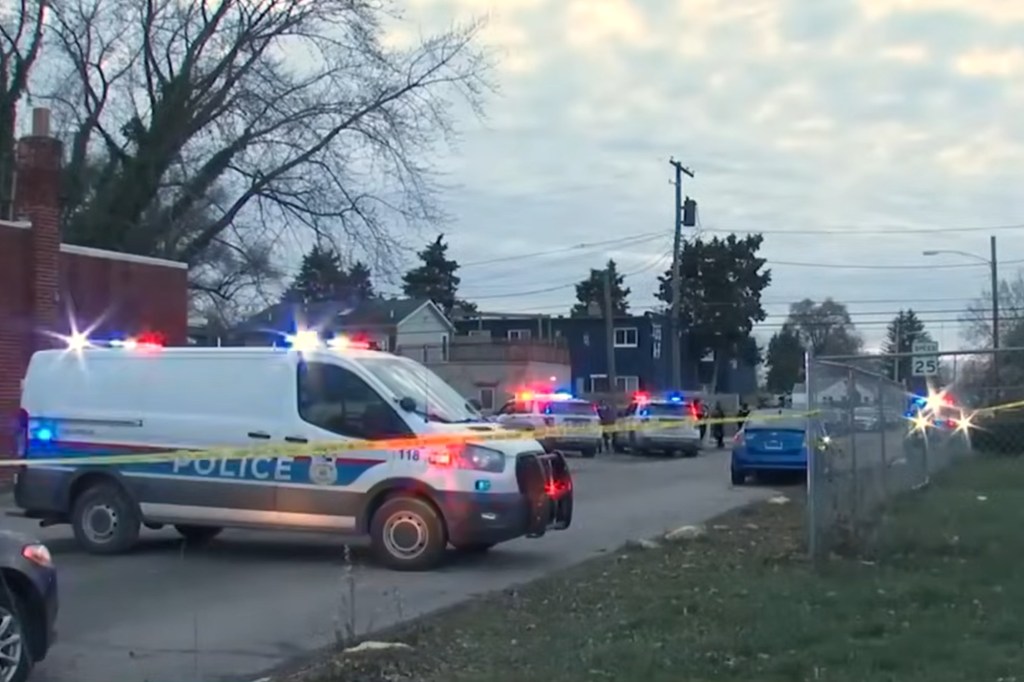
[
  {"x": 774, "y": 441},
  {"x": 28, "y": 605}
]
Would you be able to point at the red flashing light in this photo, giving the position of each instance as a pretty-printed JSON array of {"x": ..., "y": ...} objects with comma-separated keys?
[
  {"x": 151, "y": 339},
  {"x": 525, "y": 395},
  {"x": 642, "y": 397}
]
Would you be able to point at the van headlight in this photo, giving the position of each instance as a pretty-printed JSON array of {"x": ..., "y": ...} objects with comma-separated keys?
[{"x": 480, "y": 458}]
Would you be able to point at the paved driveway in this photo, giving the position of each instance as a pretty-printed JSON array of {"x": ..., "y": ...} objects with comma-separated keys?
[{"x": 253, "y": 601}]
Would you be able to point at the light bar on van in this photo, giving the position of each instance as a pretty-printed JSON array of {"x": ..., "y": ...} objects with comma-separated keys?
[
  {"x": 78, "y": 341},
  {"x": 342, "y": 342},
  {"x": 304, "y": 340}
]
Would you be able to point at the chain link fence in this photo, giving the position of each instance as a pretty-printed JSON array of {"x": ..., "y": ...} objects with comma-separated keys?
[{"x": 885, "y": 424}]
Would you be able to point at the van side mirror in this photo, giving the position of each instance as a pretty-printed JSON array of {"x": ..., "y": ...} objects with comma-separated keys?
[
  {"x": 475, "y": 404},
  {"x": 407, "y": 404}
]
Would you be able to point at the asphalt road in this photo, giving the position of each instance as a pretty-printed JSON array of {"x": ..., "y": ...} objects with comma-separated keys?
[{"x": 252, "y": 601}]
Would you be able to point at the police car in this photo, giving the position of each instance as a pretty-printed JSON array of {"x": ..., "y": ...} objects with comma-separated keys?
[
  {"x": 665, "y": 425},
  {"x": 531, "y": 411},
  {"x": 271, "y": 419}
]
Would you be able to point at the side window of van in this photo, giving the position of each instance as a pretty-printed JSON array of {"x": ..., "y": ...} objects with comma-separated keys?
[{"x": 339, "y": 401}]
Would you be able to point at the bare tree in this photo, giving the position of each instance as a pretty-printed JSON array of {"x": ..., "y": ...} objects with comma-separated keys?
[
  {"x": 978, "y": 317},
  {"x": 21, "y": 39},
  {"x": 205, "y": 131}
]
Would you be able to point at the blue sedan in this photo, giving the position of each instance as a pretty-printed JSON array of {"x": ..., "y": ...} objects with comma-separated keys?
[{"x": 772, "y": 441}]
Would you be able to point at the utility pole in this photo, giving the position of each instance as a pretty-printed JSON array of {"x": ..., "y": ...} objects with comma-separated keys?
[
  {"x": 994, "y": 265},
  {"x": 675, "y": 331},
  {"x": 609, "y": 329}
]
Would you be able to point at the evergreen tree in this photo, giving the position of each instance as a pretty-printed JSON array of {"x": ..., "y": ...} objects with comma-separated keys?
[
  {"x": 826, "y": 328},
  {"x": 359, "y": 281},
  {"x": 435, "y": 279},
  {"x": 785, "y": 360},
  {"x": 321, "y": 277},
  {"x": 590, "y": 293},
  {"x": 720, "y": 293},
  {"x": 903, "y": 331}
]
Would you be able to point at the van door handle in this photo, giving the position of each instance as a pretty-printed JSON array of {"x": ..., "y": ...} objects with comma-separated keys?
[
  {"x": 295, "y": 439},
  {"x": 259, "y": 434}
]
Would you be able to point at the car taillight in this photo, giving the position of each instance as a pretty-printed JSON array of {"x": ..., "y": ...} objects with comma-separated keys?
[{"x": 38, "y": 554}]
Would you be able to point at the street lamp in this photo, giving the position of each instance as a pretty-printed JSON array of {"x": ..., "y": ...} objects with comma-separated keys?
[{"x": 993, "y": 265}]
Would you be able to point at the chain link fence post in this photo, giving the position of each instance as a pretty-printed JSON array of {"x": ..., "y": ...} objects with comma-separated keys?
[
  {"x": 852, "y": 400},
  {"x": 813, "y": 466}
]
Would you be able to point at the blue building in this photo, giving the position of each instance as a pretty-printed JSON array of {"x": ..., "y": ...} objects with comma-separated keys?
[{"x": 641, "y": 346}]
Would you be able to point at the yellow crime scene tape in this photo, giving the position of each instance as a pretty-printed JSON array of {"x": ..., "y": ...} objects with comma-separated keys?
[{"x": 332, "y": 448}]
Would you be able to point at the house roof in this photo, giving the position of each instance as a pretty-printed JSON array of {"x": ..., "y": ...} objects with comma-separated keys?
[{"x": 336, "y": 315}]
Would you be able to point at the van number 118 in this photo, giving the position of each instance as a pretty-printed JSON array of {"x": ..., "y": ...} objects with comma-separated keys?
[{"x": 410, "y": 455}]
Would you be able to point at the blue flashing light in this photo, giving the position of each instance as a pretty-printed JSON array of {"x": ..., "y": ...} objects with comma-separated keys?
[
  {"x": 44, "y": 434},
  {"x": 561, "y": 395}
]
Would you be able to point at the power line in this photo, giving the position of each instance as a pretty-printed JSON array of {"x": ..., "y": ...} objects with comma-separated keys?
[
  {"x": 660, "y": 260},
  {"x": 637, "y": 239},
  {"x": 490, "y": 286},
  {"x": 853, "y": 266},
  {"x": 856, "y": 231}
]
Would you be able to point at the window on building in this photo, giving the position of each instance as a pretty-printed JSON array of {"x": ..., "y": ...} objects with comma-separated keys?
[
  {"x": 479, "y": 332},
  {"x": 629, "y": 384},
  {"x": 598, "y": 383},
  {"x": 519, "y": 334},
  {"x": 626, "y": 337},
  {"x": 444, "y": 348},
  {"x": 656, "y": 350},
  {"x": 487, "y": 397},
  {"x": 338, "y": 401},
  {"x": 586, "y": 339}
]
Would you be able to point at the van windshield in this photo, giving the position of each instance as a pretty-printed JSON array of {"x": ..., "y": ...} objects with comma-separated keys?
[{"x": 434, "y": 398}]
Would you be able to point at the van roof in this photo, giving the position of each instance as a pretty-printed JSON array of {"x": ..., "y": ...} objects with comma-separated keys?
[{"x": 207, "y": 351}]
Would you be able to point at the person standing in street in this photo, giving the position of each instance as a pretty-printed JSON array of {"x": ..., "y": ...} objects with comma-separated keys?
[
  {"x": 701, "y": 411},
  {"x": 741, "y": 415},
  {"x": 718, "y": 428},
  {"x": 607, "y": 417}
]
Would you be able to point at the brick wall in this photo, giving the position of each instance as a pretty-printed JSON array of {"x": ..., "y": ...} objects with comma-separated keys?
[{"x": 46, "y": 286}]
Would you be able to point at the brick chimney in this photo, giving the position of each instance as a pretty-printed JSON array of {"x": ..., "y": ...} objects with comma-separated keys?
[{"x": 37, "y": 195}]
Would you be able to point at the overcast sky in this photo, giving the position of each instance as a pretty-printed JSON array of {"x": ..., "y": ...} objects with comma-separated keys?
[{"x": 853, "y": 133}]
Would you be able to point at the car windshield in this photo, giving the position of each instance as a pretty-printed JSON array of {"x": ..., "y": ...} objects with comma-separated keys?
[
  {"x": 665, "y": 409},
  {"x": 434, "y": 398},
  {"x": 567, "y": 407},
  {"x": 776, "y": 419}
]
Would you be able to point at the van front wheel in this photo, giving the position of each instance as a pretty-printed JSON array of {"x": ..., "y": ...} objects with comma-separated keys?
[
  {"x": 105, "y": 520},
  {"x": 408, "y": 534}
]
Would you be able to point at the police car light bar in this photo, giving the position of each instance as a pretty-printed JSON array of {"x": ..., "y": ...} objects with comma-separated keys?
[{"x": 531, "y": 395}]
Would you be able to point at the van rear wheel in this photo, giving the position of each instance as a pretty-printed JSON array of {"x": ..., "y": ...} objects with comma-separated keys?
[
  {"x": 198, "y": 535},
  {"x": 408, "y": 534},
  {"x": 105, "y": 520}
]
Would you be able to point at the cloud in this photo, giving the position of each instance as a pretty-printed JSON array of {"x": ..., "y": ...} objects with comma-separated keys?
[{"x": 829, "y": 125}]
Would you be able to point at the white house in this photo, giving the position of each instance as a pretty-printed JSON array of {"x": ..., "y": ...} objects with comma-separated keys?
[{"x": 839, "y": 392}]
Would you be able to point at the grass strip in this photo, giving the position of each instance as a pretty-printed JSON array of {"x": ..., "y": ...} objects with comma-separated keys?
[{"x": 941, "y": 598}]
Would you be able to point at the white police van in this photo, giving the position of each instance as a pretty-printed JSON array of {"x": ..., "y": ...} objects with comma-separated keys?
[{"x": 443, "y": 475}]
